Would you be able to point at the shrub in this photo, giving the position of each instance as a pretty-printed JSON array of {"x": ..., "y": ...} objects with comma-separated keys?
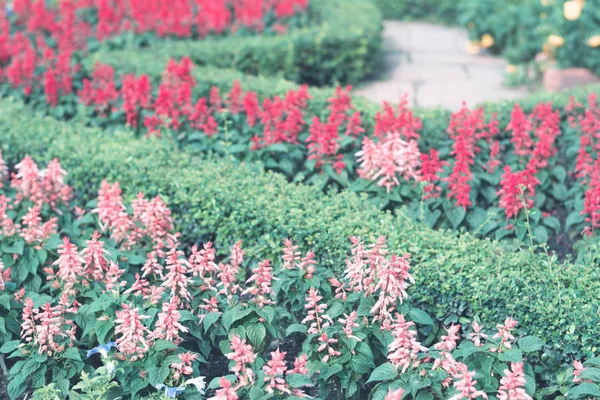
[
  {"x": 430, "y": 10},
  {"x": 457, "y": 277},
  {"x": 342, "y": 48},
  {"x": 153, "y": 320}
]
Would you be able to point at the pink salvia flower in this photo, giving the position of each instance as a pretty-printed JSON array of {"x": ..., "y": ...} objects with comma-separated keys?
[
  {"x": 395, "y": 394},
  {"x": 577, "y": 370},
  {"x": 94, "y": 259},
  {"x": 168, "y": 326},
  {"x": 393, "y": 278},
  {"x": 349, "y": 322},
  {"x": 4, "y": 276},
  {"x": 237, "y": 254},
  {"x": 404, "y": 349},
  {"x": 70, "y": 267},
  {"x": 202, "y": 265},
  {"x": 261, "y": 290},
  {"x": 227, "y": 391},
  {"x": 275, "y": 369},
  {"x": 131, "y": 333},
  {"x": 388, "y": 159},
  {"x": 242, "y": 354},
  {"x": 299, "y": 366},
  {"x": 53, "y": 184},
  {"x": 184, "y": 366},
  {"x": 477, "y": 335},
  {"x": 504, "y": 333},
  {"x": 316, "y": 312},
  {"x": 113, "y": 274},
  {"x": 176, "y": 280},
  {"x": 448, "y": 342},
  {"x": 326, "y": 345},
  {"x": 465, "y": 385},
  {"x": 291, "y": 255},
  {"x": 27, "y": 181},
  {"x": 512, "y": 384}
]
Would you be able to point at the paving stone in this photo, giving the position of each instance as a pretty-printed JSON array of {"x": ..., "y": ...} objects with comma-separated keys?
[{"x": 431, "y": 64}]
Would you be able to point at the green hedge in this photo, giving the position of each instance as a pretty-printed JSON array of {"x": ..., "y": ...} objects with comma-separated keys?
[
  {"x": 444, "y": 11},
  {"x": 223, "y": 201},
  {"x": 341, "y": 46}
]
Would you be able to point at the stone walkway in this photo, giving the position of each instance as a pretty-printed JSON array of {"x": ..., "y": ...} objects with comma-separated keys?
[{"x": 431, "y": 64}]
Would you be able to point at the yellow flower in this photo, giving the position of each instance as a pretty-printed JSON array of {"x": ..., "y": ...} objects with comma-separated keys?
[
  {"x": 473, "y": 47},
  {"x": 487, "y": 41},
  {"x": 594, "y": 41},
  {"x": 511, "y": 69},
  {"x": 556, "y": 41},
  {"x": 572, "y": 9},
  {"x": 544, "y": 2}
]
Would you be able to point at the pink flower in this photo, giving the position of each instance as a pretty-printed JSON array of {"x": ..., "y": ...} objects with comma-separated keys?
[
  {"x": 168, "y": 326},
  {"x": 227, "y": 392},
  {"x": 275, "y": 369},
  {"x": 316, "y": 312},
  {"x": 299, "y": 366},
  {"x": 237, "y": 254},
  {"x": 518, "y": 190},
  {"x": 202, "y": 265},
  {"x": 404, "y": 349},
  {"x": 520, "y": 127},
  {"x": 291, "y": 255},
  {"x": 4, "y": 276},
  {"x": 242, "y": 354},
  {"x": 112, "y": 278},
  {"x": 395, "y": 394},
  {"x": 388, "y": 159},
  {"x": 262, "y": 277},
  {"x": 131, "y": 333},
  {"x": 477, "y": 335},
  {"x": 465, "y": 385},
  {"x": 184, "y": 366},
  {"x": 70, "y": 267},
  {"x": 176, "y": 280},
  {"x": 27, "y": 181},
  {"x": 152, "y": 217},
  {"x": 448, "y": 342},
  {"x": 577, "y": 370},
  {"x": 94, "y": 258},
  {"x": 326, "y": 345},
  {"x": 512, "y": 384},
  {"x": 34, "y": 231},
  {"x": 504, "y": 333},
  {"x": 350, "y": 324},
  {"x": 53, "y": 186}
]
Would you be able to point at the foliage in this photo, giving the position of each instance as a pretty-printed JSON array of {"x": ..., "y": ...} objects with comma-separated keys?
[
  {"x": 112, "y": 279},
  {"x": 224, "y": 202}
]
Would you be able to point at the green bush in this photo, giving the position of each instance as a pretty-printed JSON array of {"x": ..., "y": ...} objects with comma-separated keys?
[
  {"x": 457, "y": 277},
  {"x": 341, "y": 46},
  {"x": 431, "y": 10}
]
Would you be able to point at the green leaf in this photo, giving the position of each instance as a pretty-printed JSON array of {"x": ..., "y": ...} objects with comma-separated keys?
[
  {"x": 336, "y": 310},
  {"x": 296, "y": 381},
  {"x": 161, "y": 345},
  {"x": 72, "y": 354},
  {"x": 268, "y": 313},
  {"x": 210, "y": 319},
  {"x": 295, "y": 328},
  {"x": 454, "y": 214},
  {"x": 9, "y": 347},
  {"x": 13, "y": 248},
  {"x": 585, "y": 389},
  {"x": 559, "y": 191},
  {"x": 256, "y": 333},
  {"x": 541, "y": 234},
  {"x": 529, "y": 344},
  {"x": 102, "y": 329},
  {"x": 591, "y": 373},
  {"x": 383, "y": 373},
  {"x": 329, "y": 372},
  {"x": 16, "y": 388},
  {"x": 420, "y": 317},
  {"x": 157, "y": 375},
  {"x": 512, "y": 355}
]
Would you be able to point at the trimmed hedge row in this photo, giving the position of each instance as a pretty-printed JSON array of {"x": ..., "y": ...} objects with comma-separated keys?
[
  {"x": 223, "y": 201},
  {"x": 341, "y": 46},
  {"x": 444, "y": 11}
]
